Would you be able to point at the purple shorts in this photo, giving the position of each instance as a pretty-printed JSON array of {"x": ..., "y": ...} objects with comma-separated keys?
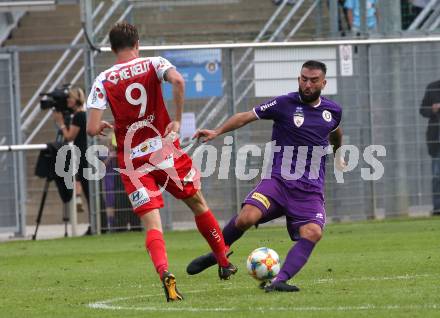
[{"x": 300, "y": 207}]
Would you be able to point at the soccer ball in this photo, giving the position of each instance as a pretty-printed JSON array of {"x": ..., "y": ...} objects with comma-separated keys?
[{"x": 263, "y": 264}]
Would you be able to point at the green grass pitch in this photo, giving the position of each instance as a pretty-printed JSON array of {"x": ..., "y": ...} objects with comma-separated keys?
[{"x": 368, "y": 269}]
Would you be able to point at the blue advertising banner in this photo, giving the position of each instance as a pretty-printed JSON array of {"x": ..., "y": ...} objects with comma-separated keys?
[{"x": 201, "y": 70}]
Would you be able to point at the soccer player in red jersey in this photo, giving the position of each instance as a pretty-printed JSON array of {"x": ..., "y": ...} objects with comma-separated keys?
[{"x": 148, "y": 150}]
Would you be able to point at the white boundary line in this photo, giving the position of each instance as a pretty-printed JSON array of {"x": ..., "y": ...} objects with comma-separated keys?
[
  {"x": 108, "y": 304},
  {"x": 299, "y": 282}
]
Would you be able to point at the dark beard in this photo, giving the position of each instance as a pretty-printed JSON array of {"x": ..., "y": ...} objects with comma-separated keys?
[{"x": 309, "y": 98}]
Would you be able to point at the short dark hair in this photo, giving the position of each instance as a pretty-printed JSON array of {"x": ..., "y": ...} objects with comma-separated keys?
[
  {"x": 123, "y": 35},
  {"x": 315, "y": 65}
]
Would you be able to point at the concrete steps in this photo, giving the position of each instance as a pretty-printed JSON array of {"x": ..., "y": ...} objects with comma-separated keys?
[
  {"x": 240, "y": 21},
  {"x": 38, "y": 27},
  {"x": 205, "y": 23}
]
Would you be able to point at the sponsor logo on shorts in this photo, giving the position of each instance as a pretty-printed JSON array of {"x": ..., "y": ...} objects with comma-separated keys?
[
  {"x": 139, "y": 198},
  {"x": 261, "y": 198},
  {"x": 320, "y": 216},
  {"x": 149, "y": 146}
]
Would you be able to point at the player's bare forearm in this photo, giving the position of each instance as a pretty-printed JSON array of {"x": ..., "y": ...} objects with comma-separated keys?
[
  {"x": 179, "y": 99},
  {"x": 236, "y": 121},
  {"x": 93, "y": 122},
  {"x": 178, "y": 83},
  {"x": 335, "y": 139},
  {"x": 95, "y": 125}
]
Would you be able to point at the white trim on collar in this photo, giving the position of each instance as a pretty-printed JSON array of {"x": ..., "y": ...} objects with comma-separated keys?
[{"x": 319, "y": 104}]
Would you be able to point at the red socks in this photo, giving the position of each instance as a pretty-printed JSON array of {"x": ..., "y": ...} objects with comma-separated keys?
[
  {"x": 209, "y": 228},
  {"x": 156, "y": 248}
]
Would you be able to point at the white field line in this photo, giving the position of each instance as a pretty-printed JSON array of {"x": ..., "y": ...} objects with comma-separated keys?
[
  {"x": 109, "y": 303},
  {"x": 299, "y": 282},
  {"x": 349, "y": 308}
]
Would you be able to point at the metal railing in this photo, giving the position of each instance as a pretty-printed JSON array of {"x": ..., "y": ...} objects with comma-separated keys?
[
  {"x": 248, "y": 66},
  {"x": 15, "y": 17},
  {"x": 32, "y": 102},
  {"x": 75, "y": 78},
  {"x": 32, "y": 5},
  {"x": 428, "y": 19},
  {"x": 164, "y": 3},
  {"x": 213, "y": 110},
  {"x": 380, "y": 98},
  {"x": 367, "y": 80}
]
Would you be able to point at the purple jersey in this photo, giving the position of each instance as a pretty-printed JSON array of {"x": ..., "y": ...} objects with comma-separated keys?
[{"x": 302, "y": 132}]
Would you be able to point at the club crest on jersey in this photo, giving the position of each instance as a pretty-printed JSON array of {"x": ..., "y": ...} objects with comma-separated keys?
[
  {"x": 298, "y": 117},
  {"x": 327, "y": 116},
  {"x": 113, "y": 78},
  {"x": 98, "y": 93}
]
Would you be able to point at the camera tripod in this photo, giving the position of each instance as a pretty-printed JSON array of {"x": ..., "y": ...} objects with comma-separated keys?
[
  {"x": 49, "y": 161},
  {"x": 66, "y": 218}
]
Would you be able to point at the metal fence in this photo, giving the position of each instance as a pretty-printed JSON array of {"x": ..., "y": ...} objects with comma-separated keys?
[
  {"x": 380, "y": 85},
  {"x": 11, "y": 176},
  {"x": 380, "y": 98}
]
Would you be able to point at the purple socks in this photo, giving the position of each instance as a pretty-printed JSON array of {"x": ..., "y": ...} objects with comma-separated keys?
[
  {"x": 295, "y": 259},
  {"x": 231, "y": 233}
]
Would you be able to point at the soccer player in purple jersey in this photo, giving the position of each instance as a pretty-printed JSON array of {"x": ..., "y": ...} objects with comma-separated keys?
[{"x": 304, "y": 121}]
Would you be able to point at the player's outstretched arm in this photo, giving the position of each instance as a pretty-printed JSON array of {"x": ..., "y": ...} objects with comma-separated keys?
[
  {"x": 95, "y": 125},
  {"x": 236, "y": 121},
  {"x": 178, "y": 83}
]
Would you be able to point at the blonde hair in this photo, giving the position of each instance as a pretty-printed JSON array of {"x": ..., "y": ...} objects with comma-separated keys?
[{"x": 78, "y": 95}]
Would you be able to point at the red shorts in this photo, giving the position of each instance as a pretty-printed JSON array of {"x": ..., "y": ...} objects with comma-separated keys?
[{"x": 181, "y": 179}]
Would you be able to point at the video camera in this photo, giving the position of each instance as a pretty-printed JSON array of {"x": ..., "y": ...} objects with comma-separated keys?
[{"x": 57, "y": 99}]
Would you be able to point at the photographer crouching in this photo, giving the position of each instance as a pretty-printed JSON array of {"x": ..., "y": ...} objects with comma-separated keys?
[{"x": 76, "y": 132}]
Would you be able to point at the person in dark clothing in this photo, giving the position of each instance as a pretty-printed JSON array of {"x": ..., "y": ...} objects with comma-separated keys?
[
  {"x": 430, "y": 108},
  {"x": 76, "y": 132}
]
